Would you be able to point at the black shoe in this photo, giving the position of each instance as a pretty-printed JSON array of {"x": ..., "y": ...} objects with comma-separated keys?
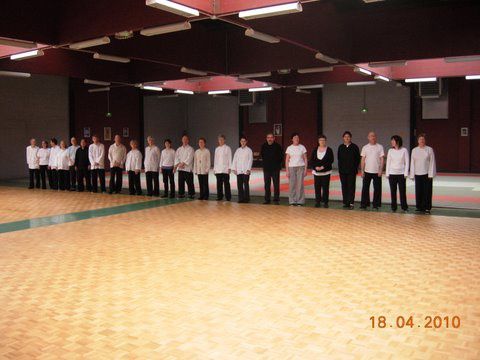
[
  {"x": 164, "y": 196},
  {"x": 172, "y": 196},
  {"x": 110, "y": 192},
  {"x": 351, "y": 207},
  {"x": 229, "y": 199},
  {"x": 419, "y": 210},
  {"x": 241, "y": 201},
  {"x": 325, "y": 206},
  {"x": 363, "y": 207},
  {"x": 276, "y": 202},
  {"x": 266, "y": 202},
  {"x": 405, "y": 210},
  {"x": 181, "y": 196},
  {"x": 375, "y": 208},
  {"x": 149, "y": 194},
  {"x": 30, "y": 187},
  {"x": 219, "y": 199},
  {"x": 394, "y": 210},
  {"x": 427, "y": 212},
  {"x": 317, "y": 205},
  {"x": 346, "y": 206}
]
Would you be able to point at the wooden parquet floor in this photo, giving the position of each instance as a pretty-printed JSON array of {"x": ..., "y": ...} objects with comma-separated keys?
[{"x": 207, "y": 280}]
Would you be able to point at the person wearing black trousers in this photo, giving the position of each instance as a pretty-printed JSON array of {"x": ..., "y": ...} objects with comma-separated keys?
[
  {"x": 133, "y": 166},
  {"x": 184, "y": 165},
  {"x": 221, "y": 168},
  {"x": 201, "y": 167},
  {"x": 272, "y": 158},
  {"x": 43, "y": 157},
  {"x": 167, "y": 162},
  {"x": 63, "y": 167},
  {"x": 372, "y": 168},
  {"x": 96, "y": 155},
  {"x": 152, "y": 164},
  {"x": 348, "y": 156},
  {"x": 82, "y": 167},
  {"x": 321, "y": 162},
  {"x": 72, "y": 151},
  {"x": 397, "y": 172},
  {"x": 52, "y": 164},
  {"x": 117, "y": 152},
  {"x": 423, "y": 170},
  {"x": 33, "y": 164},
  {"x": 242, "y": 167}
]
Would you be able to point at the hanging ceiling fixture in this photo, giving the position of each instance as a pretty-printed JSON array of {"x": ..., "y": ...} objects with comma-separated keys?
[
  {"x": 173, "y": 7},
  {"x": 270, "y": 11},
  {"x": 124, "y": 35}
]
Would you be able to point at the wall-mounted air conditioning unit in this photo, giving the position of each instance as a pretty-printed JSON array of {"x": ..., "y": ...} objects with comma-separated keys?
[{"x": 430, "y": 90}]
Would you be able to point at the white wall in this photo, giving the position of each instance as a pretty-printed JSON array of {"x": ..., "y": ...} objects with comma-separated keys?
[{"x": 33, "y": 107}]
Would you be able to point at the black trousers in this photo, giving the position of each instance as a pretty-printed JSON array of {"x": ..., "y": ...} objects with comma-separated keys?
[
  {"x": 185, "y": 177},
  {"x": 268, "y": 177},
  {"x": 116, "y": 179},
  {"x": 223, "y": 181},
  {"x": 243, "y": 187},
  {"x": 34, "y": 173},
  {"x": 348, "y": 182},
  {"x": 134, "y": 186},
  {"x": 64, "y": 179},
  {"x": 83, "y": 174},
  {"x": 322, "y": 188},
  {"x": 168, "y": 177},
  {"x": 377, "y": 190},
  {"x": 423, "y": 192},
  {"x": 153, "y": 185},
  {"x": 73, "y": 177},
  {"x": 400, "y": 182},
  {"x": 203, "y": 183},
  {"x": 53, "y": 179},
  {"x": 43, "y": 175},
  {"x": 98, "y": 174}
]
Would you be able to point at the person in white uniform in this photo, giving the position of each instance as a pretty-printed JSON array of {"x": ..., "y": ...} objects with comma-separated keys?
[
  {"x": 96, "y": 155},
  {"x": 242, "y": 167},
  {"x": 423, "y": 169},
  {"x": 296, "y": 168},
  {"x": 133, "y": 166},
  {"x": 117, "y": 153},
  {"x": 184, "y": 165},
  {"x": 167, "y": 162},
  {"x": 43, "y": 157},
  {"x": 63, "y": 167},
  {"x": 222, "y": 164},
  {"x": 372, "y": 161},
  {"x": 201, "y": 167},
  {"x": 396, "y": 172},
  {"x": 152, "y": 164},
  {"x": 72, "y": 151},
  {"x": 33, "y": 164},
  {"x": 52, "y": 163}
]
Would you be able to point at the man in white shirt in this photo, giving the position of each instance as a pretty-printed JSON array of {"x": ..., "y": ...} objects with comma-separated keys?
[
  {"x": 117, "y": 153},
  {"x": 184, "y": 165},
  {"x": 52, "y": 163},
  {"x": 152, "y": 164},
  {"x": 201, "y": 167},
  {"x": 372, "y": 162},
  {"x": 221, "y": 168},
  {"x": 167, "y": 162},
  {"x": 133, "y": 166},
  {"x": 33, "y": 164},
  {"x": 72, "y": 151},
  {"x": 396, "y": 172},
  {"x": 242, "y": 167},
  {"x": 96, "y": 155},
  {"x": 423, "y": 169},
  {"x": 43, "y": 158}
]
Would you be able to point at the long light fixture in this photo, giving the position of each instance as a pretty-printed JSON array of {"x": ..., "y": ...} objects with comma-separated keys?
[
  {"x": 472, "y": 77},
  {"x": 99, "y": 89},
  {"x": 315, "y": 70},
  {"x": 255, "y": 75},
  {"x": 378, "y": 64},
  {"x": 15, "y": 74},
  {"x": 325, "y": 58},
  {"x": 151, "y": 87},
  {"x": 361, "y": 83},
  {"x": 199, "y": 79},
  {"x": 173, "y": 7},
  {"x": 418, "y": 80},
  {"x": 158, "y": 30},
  {"x": 362, "y": 71},
  {"x": 219, "y": 92},
  {"x": 302, "y": 91},
  {"x": 315, "y": 86},
  {"x": 17, "y": 43},
  {"x": 27, "y": 55},
  {"x": 96, "y": 82},
  {"x": 271, "y": 11},
  {"x": 455, "y": 59},
  {"x": 111, "y": 58},
  {"x": 187, "y": 92},
  {"x": 265, "y": 88},
  {"x": 89, "y": 43},
  {"x": 244, "y": 81},
  {"x": 193, "y": 71},
  {"x": 261, "y": 36},
  {"x": 381, "y": 77}
]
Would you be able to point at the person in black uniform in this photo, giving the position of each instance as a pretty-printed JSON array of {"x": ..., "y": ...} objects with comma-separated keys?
[
  {"x": 348, "y": 162},
  {"x": 82, "y": 166},
  {"x": 321, "y": 162},
  {"x": 272, "y": 158}
]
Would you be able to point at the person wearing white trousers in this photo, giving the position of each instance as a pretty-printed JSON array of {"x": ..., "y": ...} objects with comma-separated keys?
[{"x": 296, "y": 167}]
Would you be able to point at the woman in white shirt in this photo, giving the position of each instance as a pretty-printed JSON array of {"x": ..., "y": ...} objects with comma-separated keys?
[
  {"x": 201, "y": 167},
  {"x": 133, "y": 166},
  {"x": 423, "y": 170},
  {"x": 296, "y": 168},
  {"x": 152, "y": 164},
  {"x": 167, "y": 162},
  {"x": 63, "y": 167},
  {"x": 242, "y": 166},
  {"x": 397, "y": 172},
  {"x": 43, "y": 158}
]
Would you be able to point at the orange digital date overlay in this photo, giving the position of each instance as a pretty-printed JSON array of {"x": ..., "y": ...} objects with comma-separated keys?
[{"x": 428, "y": 322}]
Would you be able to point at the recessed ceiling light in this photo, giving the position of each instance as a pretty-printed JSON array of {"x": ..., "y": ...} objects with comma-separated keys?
[
  {"x": 219, "y": 92},
  {"x": 472, "y": 77},
  {"x": 271, "y": 11},
  {"x": 425, "y": 79},
  {"x": 152, "y": 88},
  {"x": 173, "y": 7},
  {"x": 266, "y": 88},
  {"x": 361, "y": 83},
  {"x": 188, "y": 92}
]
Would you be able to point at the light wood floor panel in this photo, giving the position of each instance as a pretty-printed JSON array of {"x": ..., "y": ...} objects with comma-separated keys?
[{"x": 227, "y": 281}]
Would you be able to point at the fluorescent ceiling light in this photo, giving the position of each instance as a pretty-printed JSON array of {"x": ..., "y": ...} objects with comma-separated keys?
[
  {"x": 380, "y": 77},
  {"x": 361, "y": 83},
  {"x": 271, "y": 11},
  {"x": 17, "y": 43},
  {"x": 315, "y": 70},
  {"x": 298, "y": 90},
  {"x": 111, "y": 58},
  {"x": 173, "y": 7},
  {"x": 199, "y": 79},
  {"x": 98, "y": 89},
  {"x": 245, "y": 81},
  {"x": 426, "y": 79},
  {"x": 96, "y": 82},
  {"x": 219, "y": 92},
  {"x": 371, "y": 1},
  {"x": 193, "y": 71},
  {"x": 15, "y": 74},
  {"x": 89, "y": 43},
  {"x": 315, "y": 86},
  {"x": 378, "y": 64},
  {"x": 266, "y": 88},
  {"x": 27, "y": 55},
  {"x": 362, "y": 71},
  {"x": 261, "y": 36},
  {"x": 151, "y": 87},
  {"x": 158, "y": 30},
  {"x": 325, "y": 58},
  {"x": 255, "y": 75},
  {"x": 188, "y": 92},
  {"x": 472, "y": 77},
  {"x": 455, "y": 59}
]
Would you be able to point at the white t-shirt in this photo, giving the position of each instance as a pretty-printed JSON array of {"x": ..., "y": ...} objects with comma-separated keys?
[
  {"x": 373, "y": 155},
  {"x": 296, "y": 153}
]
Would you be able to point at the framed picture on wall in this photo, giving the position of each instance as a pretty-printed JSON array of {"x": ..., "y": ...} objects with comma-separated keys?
[
  {"x": 86, "y": 132},
  {"x": 107, "y": 133},
  {"x": 126, "y": 132},
  {"x": 277, "y": 129}
]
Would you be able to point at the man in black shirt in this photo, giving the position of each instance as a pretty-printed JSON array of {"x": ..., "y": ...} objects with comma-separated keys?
[
  {"x": 82, "y": 166},
  {"x": 348, "y": 161},
  {"x": 272, "y": 158}
]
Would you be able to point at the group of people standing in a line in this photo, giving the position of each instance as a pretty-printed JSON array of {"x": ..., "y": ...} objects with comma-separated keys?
[{"x": 77, "y": 167}]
